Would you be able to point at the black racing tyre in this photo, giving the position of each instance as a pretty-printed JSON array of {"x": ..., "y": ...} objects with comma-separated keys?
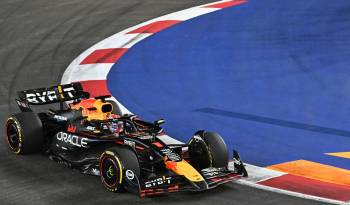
[
  {"x": 116, "y": 109},
  {"x": 207, "y": 149},
  {"x": 217, "y": 149},
  {"x": 115, "y": 163},
  {"x": 24, "y": 133}
]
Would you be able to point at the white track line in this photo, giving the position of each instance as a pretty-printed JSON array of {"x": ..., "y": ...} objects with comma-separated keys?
[{"x": 291, "y": 193}]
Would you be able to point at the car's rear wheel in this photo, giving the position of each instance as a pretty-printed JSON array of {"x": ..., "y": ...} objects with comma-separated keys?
[
  {"x": 24, "y": 133},
  {"x": 116, "y": 163},
  {"x": 207, "y": 149}
]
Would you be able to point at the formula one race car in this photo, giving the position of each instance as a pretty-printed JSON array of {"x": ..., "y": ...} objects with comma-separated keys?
[{"x": 125, "y": 151}]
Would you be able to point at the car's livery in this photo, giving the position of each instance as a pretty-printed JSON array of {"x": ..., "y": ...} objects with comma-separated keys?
[{"x": 125, "y": 151}]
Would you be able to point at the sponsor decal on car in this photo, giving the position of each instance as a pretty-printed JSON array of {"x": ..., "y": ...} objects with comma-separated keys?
[
  {"x": 146, "y": 137},
  {"x": 129, "y": 174},
  {"x": 130, "y": 143},
  {"x": 171, "y": 154},
  {"x": 41, "y": 97},
  {"x": 71, "y": 128},
  {"x": 48, "y": 95},
  {"x": 158, "y": 181},
  {"x": 91, "y": 128},
  {"x": 60, "y": 118},
  {"x": 212, "y": 172},
  {"x": 72, "y": 139}
]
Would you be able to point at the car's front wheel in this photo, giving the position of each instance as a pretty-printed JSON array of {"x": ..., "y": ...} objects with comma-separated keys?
[
  {"x": 116, "y": 164},
  {"x": 207, "y": 149}
]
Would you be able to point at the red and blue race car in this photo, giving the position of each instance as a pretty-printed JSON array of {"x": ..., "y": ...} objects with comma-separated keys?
[{"x": 128, "y": 153}]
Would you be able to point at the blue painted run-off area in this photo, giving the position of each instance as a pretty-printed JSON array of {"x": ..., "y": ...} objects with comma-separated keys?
[{"x": 272, "y": 77}]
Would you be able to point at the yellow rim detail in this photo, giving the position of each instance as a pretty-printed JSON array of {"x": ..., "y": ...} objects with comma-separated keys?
[
  {"x": 120, "y": 169},
  {"x": 119, "y": 164},
  {"x": 19, "y": 134}
]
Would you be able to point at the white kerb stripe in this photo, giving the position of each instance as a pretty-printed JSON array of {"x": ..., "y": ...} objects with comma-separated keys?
[{"x": 85, "y": 72}]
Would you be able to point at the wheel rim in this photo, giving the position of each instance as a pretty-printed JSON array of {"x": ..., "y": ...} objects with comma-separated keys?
[
  {"x": 110, "y": 172},
  {"x": 200, "y": 157},
  {"x": 13, "y": 136}
]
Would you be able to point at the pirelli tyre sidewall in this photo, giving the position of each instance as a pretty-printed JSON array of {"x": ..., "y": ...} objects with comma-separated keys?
[
  {"x": 24, "y": 133},
  {"x": 207, "y": 149},
  {"x": 114, "y": 163},
  {"x": 217, "y": 149}
]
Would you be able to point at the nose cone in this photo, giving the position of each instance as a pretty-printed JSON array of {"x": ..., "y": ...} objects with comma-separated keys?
[
  {"x": 184, "y": 168},
  {"x": 190, "y": 173},
  {"x": 200, "y": 185}
]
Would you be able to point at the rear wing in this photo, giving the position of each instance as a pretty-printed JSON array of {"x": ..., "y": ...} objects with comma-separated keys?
[{"x": 54, "y": 94}]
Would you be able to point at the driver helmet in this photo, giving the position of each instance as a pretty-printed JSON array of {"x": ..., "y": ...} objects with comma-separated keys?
[
  {"x": 120, "y": 127},
  {"x": 112, "y": 127}
]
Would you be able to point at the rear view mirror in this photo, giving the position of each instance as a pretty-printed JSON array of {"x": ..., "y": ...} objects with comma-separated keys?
[{"x": 159, "y": 122}]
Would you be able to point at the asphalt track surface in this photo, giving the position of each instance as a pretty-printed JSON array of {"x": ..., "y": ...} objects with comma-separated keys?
[{"x": 38, "y": 39}]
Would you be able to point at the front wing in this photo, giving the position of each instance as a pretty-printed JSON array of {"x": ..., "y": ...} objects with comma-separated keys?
[{"x": 213, "y": 177}]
